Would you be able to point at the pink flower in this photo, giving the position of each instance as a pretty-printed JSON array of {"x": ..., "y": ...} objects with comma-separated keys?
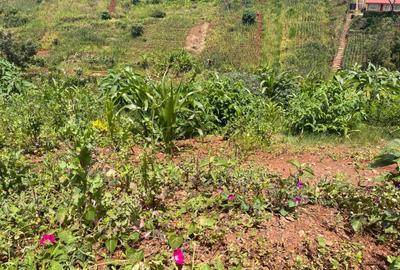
[
  {"x": 179, "y": 257},
  {"x": 47, "y": 238},
  {"x": 220, "y": 190},
  {"x": 299, "y": 184},
  {"x": 231, "y": 197},
  {"x": 298, "y": 199}
]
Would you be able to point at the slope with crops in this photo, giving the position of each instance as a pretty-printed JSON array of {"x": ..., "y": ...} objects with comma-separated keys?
[{"x": 139, "y": 172}]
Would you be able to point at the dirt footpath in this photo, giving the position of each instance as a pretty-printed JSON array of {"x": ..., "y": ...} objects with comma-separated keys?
[{"x": 196, "y": 39}]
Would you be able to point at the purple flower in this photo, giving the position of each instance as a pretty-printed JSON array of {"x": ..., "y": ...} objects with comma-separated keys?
[
  {"x": 47, "y": 238},
  {"x": 299, "y": 184},
  {"x": 398, "y": 185},
  {"x": 179, "y": 257},
  {"x": 298, "y": 199},
  {"x": 231, "y": 197}
]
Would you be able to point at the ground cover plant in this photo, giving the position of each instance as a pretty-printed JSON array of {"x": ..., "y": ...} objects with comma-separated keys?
[
  {"x": 207, "y": 134},
  {"x": 94, "y": 174}
]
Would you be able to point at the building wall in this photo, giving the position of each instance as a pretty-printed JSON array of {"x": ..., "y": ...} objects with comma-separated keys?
[{"x": 382, "y": 7}]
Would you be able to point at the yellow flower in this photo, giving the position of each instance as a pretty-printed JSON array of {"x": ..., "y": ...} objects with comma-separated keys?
[{"x": 100, "y": 126}]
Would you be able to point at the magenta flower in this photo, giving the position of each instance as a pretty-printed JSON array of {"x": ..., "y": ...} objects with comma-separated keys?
[
  {"x": 47, "y": 238},
  {"x": 220, "y": 190},
  {"x": 298, "y": 199},
  {"x": 299, "y": 184},
  {"x": 179, "y": 257},
  {"x": 231, "y": 197}
]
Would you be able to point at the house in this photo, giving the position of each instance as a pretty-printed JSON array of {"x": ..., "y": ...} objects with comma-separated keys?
[{"x": 382, "y": 5}]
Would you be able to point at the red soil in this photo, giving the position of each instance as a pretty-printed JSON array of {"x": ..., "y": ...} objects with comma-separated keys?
[{"x": 349, "y": 163}]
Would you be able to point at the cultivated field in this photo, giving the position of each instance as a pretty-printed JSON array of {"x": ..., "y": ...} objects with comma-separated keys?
[{"x": 202, "y": 135}]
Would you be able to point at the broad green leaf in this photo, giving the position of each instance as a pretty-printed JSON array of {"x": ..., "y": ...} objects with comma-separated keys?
[
  {"x": 56, "y": 266},
  {"x": 206, "y": 221},
  {"x": 295, "y": 163},
  {"x": 356, "y": 224},
  {"x": 111, "y": 244},
  {"x": 134, "y": 255},
  {"x": 90, "y": 214},
  {"x": 205, "y": 267},
  {"x": 175, "y": 241},
  {"x": 66, "y": 236}
]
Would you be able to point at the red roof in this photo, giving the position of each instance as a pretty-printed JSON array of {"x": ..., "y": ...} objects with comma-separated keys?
[{"x": 382, "y": 2}]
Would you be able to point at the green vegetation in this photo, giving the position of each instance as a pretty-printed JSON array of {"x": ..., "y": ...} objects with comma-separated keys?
[
  {"x": 178, "y": 160},
  {"x": 298, "y": 36},
  {"x": 374, "y": 39}
]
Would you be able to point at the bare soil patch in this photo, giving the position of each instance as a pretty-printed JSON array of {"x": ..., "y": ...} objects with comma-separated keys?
[
  {"x": 276, "y": 242},
  {"x": 196, "y": 39},
  {"x": 112, "y": 6},
  {"x": 43, "y": 53}
]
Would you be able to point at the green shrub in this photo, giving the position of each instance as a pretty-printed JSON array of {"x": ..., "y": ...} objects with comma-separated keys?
[
  {"x": 135, "y": 2},
  {"x": 19, "y": 53},
  {"x": 328, "y": 107},
  {"x": 227, "y": 99},
  {"x": 179, "y": 62},
  {"x": 249, "y": 17},
  {"x": 158, "y": 14},
  {"x": 280, "y": 87},
  {"x": 11, "y": 81},
  {"x": 381, "y": 90},
  {"x": 14, "y": 173},
  {"x": 137, "y": 30},
  {"x": 13, "y": 19},
  {"x": 105, "y": 15}
]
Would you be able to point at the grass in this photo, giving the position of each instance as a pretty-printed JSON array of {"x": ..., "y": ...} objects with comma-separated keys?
[{"x": 297, "y": 35}]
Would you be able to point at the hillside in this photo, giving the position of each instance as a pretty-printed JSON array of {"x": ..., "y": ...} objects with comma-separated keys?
[
  {"x": 290, "y": 34},
  {"x": 198, "y": 134},
  {"x": 374, "y": 38}
]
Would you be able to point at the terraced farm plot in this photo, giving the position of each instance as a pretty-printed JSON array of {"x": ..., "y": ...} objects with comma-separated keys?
[
  {"x": 310, "y": 35},
  {"x": 355, "y": 51},
  {"x": 299, "y": 36}
]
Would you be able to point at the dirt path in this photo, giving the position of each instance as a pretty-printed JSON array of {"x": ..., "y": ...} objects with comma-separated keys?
[
  {"x": 259, "y": 35},
  {"x": 338, "y": 60},
  {"x": 111, "y": 7},
  {"x": 196, "y": 39}
]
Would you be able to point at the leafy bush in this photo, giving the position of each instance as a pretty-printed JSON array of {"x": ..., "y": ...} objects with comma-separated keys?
[
  {"x": 280, "y": 87},
  {"x": 381, "y": 90},
  {"x": 249, "y": 17},
  {"x": 227, "y": 99},
  {"x": 105, "y": 15},
  {"x": 178, "y": 62},
  {"x": 14, "y": 173},
  {"x": 19, "y": 53},
  {"x": 137, "y": 30},
  {"x": 158, "y": 14},
  {"x": 135, "y": 2},
  {"x": 259, "y": 123},
  {"x": 13, "y": 19},
  {"x": 330, "y": 107},
  {"x": 11, "y": 81}
]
